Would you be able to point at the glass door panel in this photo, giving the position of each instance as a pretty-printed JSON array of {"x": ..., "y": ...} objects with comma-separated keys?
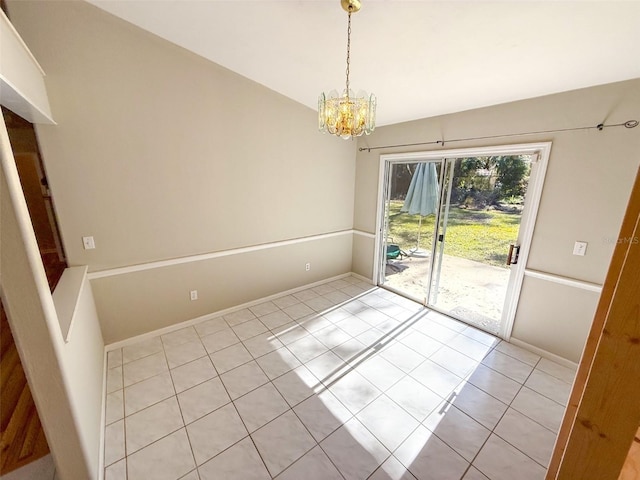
[
  {"x": 411, "y": 205},
  {"x": 479, "y": 219}
]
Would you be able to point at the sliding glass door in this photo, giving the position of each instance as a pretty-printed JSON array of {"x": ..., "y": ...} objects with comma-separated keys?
[
  {"x": 411, "y": 206},
  {"x": 451, "y": 236}
]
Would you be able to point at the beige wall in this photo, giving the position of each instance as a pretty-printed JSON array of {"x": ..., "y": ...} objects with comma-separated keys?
[
  {"x": 83, "y": 362},
  {"x": 363, "y": 253},
  {"x": 160, "y": 154},
  {"x": 65, "y": 378},
  {"x": 549, "y": 315},
  {"x": 159, "y": 297},
  {"x": 588, "y": 181}
]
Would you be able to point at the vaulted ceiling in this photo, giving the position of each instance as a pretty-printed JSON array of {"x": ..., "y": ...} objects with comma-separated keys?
[{"x": 420, "y": 58}]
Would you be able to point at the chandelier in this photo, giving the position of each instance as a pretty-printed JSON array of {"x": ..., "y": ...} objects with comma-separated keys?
[{"x": 347, "y": 115}]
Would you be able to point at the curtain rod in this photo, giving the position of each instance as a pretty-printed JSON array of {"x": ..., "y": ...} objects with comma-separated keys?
[{"x": 600, "y": 126}]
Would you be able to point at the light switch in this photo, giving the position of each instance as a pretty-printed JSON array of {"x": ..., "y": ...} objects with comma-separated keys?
[
  {"x": 580, "y": 248},
  {"x": 88, "y": 243}
]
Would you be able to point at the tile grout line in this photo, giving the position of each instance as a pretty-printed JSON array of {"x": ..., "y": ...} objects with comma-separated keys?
[
  {"x": 464, "y": 380},
  {"x": 534, "y": 391},
  {"x": 353, "y": 416},
  {"x": 509, "y": 406},
  {"x": 147, "y": 407},
  {"x": 318, "y": 443},
  {"x": 492, "y": 431},
  {"x": 268, "y": 382},
  {"x": 175, "y": 395},
  {"x": 372, "y": 354},
  {"x": 300, "y": 322},
  {"x": 232, "y": 401},
  {"x": 124, "y": 426}
]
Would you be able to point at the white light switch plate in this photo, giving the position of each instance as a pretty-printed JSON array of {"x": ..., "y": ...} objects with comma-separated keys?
[
  {"x": 580, "y": 248},
  {"x": 88, "y": 243}
]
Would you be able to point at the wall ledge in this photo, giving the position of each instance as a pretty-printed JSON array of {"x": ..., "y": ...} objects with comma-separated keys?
[
  {"x": 66, "y": 297},
  {"x": 362, "y": 233},
  {"x": 570, "y": 282},
  {"x": 22, "y": 87}
]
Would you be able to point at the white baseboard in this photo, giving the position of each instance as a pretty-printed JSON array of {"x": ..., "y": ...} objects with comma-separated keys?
[
  {"x": 219, "y": 313},
  {"x": 361, "y": 278},
  {"x": 544, "y": 354},
  {"x": 103, "y": 417}
]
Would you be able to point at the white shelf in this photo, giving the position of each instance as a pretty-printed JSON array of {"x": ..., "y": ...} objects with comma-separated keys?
[{"x": 66, "y": 297}]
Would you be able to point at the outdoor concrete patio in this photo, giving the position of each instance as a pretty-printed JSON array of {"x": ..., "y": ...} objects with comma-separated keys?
[{"x": 472, "y": 291}]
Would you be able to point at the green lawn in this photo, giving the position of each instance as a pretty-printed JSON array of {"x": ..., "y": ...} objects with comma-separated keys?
[{"x": 480, "y": 235}]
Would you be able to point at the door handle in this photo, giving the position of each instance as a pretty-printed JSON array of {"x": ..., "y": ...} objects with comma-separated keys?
[
  {"x": 441, "y": 237},
  {"x": 514, "y": 253}
]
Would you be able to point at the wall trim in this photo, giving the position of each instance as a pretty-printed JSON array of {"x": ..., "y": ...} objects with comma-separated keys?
[
  {"x": 220, "y": 313},
  {"x": 103, "y": 416},
  {"x": 208, "y": 256},
  {"x": 363, "y": 279},
  {"x": 570, "y": 282},
  {"x": 364, "y": 234},
  {"x": 544, "y": 354}
]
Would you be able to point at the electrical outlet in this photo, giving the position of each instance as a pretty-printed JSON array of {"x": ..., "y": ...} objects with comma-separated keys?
[
  {"x": 193, "y": 294},
  {"x": 307, "y": 266},
  {"x": 88, "y": 243},
  {"x": 580, "y": 248}
]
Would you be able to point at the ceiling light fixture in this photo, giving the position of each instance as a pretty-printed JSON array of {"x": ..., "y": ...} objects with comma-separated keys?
[{"x": 347, "y": 115}]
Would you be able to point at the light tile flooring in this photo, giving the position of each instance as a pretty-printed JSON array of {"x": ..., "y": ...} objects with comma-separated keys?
[{"x": 340, "y": 381}]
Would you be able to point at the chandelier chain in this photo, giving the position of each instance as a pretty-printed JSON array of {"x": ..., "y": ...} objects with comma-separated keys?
[{"x": 348, "y": 50}]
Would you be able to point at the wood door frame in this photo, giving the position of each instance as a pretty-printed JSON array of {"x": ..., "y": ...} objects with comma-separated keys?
[{"x": 603, "y": 412}]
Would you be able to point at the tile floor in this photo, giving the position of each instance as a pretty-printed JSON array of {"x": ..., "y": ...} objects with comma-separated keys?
[{"x": 340, "y": 381}]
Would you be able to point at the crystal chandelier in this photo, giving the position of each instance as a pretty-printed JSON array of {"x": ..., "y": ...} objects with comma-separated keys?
[{"x": 347, "y": 115}]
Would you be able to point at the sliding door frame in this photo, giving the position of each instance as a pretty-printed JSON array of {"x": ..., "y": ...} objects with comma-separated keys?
[{"x": 541, "y": 150}]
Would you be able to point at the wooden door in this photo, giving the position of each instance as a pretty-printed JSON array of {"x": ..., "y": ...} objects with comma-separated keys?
[
  {"x": 22, "y": 439},
  {"x": 631, "y": 467},
  {"x": 603, "y": 413}
]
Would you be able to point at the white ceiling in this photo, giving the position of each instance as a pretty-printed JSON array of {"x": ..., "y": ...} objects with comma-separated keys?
[{"x": 420, "y": 58}]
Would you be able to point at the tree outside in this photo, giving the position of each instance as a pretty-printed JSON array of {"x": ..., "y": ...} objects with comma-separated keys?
[{"x": 487, "y": 198}]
